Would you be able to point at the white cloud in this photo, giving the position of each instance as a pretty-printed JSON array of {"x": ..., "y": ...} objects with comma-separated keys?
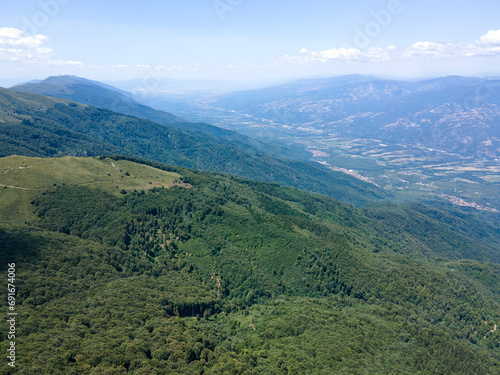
[
  {"x": 16, "y": 47},
  {"x": 492, "y": 38},
  {"x": 66, "y": 63},
  {"x": 342, "y": 54},
  {"x": 15, "y": 37},
  {"x": 347, "y": 54},
  {"x": 434, "y": 49},
  {"x": 23, "y": 55},
  {"x": 487, "y": 45}
]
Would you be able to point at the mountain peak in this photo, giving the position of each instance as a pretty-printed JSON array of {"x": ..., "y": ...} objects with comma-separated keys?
[
  {"x": 63, "y": 78},
  {"x": 77, "y": 89},
  {"x": 66, "y": 80}
]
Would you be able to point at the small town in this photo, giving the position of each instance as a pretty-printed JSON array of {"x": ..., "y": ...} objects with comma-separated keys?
[{"x": 463, "y": 203}]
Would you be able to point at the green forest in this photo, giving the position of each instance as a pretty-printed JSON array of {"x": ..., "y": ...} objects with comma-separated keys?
[{"x": 131, "y": 266}]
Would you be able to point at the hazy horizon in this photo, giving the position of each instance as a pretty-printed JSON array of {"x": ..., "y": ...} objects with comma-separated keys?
[
  {"x": 243, "y": 41},
  {"x": 180, "y": 84}
]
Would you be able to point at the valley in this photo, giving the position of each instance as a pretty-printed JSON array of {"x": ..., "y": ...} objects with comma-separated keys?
[
  {"x": 408, "y": 172},
  {"x": 414, "y": 150}
]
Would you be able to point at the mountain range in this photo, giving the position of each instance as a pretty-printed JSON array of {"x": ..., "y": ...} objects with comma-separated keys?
[{"x": 454, "y": 114}]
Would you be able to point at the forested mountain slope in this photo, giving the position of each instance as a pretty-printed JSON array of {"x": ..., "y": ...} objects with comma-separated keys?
[{"x": 126, "y": 266}]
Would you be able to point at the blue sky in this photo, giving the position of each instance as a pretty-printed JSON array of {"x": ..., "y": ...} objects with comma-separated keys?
[{"x": 247, "y": 39}]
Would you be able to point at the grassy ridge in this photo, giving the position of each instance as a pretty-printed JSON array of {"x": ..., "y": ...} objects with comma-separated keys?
[{"x": 104, "y": 174}]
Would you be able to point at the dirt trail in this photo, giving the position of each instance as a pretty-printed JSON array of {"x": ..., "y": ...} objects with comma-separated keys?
[{"x": 17, "y": 187}]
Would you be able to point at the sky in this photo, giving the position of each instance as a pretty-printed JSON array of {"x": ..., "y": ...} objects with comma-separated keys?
[{"x": 247, "y": 40}]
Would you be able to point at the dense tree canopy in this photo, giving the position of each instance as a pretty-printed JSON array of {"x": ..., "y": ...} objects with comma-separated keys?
[{"x": 228, "y": 276}]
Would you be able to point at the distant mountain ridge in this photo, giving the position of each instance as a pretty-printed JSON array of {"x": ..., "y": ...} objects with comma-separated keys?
[
  {"x": 454, "y": 114},
  {"x": 98, "y": 94}
]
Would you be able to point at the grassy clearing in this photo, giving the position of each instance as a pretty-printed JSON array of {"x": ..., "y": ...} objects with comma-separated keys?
[
  {"x": 25, "y": 173},
  {"x": 21, "y": 178}
]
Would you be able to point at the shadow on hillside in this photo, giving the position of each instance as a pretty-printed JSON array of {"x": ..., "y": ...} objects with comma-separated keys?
[{"x": 18, "y": 246}]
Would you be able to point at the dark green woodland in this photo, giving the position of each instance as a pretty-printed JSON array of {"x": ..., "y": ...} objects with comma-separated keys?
[{"x": 219, "y": 275}]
